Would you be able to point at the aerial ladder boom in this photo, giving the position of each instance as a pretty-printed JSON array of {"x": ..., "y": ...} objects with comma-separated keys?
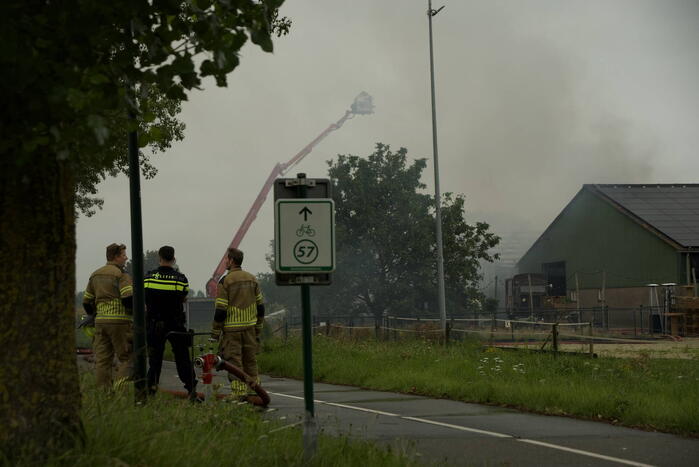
[{"x": 362, "y": 105}]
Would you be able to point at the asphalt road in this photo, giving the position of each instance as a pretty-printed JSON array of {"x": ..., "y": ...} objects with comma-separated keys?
[{"x": 458, "y": 433}]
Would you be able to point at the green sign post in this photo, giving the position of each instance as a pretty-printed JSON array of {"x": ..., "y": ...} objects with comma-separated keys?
[{"x": 304, "y": 248}]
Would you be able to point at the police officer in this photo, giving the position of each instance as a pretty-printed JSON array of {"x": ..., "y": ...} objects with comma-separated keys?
[
  {"x": 165, "y": 292},
  {"x": 108, "y": 297},
  {"x": 238, "y": 320}
]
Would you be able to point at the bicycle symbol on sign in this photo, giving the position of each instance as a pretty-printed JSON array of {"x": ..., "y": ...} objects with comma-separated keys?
[{"x": 305, "y": 230}]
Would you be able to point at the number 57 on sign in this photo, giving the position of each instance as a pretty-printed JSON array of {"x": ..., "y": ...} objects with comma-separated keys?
[{"x": 304, "y": 235}]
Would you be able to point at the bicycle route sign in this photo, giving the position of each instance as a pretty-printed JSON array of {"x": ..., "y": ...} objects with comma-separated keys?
[{"x": 304, "y": 235}]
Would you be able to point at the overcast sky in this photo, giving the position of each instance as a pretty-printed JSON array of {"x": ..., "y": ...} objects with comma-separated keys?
[{"x": 534, "y": 98}]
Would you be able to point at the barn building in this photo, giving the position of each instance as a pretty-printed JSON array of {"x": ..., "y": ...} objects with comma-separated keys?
[{"x": 611, "y": 241}]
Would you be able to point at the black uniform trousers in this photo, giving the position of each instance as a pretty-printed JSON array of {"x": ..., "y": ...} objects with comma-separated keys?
[{"x": 157, "y": 335}]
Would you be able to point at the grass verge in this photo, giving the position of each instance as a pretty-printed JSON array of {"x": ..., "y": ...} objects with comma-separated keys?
[
  {"x": 172, "y": 432},
  {"x": 640, "y": 392}
]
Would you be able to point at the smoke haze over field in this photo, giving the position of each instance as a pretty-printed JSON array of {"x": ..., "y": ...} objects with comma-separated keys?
[{"x": 533, "y": 100}]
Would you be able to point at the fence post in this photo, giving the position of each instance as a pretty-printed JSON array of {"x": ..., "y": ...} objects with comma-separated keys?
[
  {"x": 446, "y": 335},
  {"x": 592, "y": 350},
  {"x": 635, "y": 333},
  {"x": 327, "y": 325},
  {"x": 554, "y": 336},
  {"x": 286, "y": 329}
]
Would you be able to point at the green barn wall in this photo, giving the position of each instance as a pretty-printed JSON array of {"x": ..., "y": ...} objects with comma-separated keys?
[{"x": 592, "y": 236}]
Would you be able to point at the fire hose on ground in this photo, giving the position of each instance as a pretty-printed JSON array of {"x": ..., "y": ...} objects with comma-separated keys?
[{"x": 210, "y": 361}]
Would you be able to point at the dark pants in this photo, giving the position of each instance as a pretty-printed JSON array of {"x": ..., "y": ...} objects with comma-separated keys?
[{"x": 157, "y": 334}]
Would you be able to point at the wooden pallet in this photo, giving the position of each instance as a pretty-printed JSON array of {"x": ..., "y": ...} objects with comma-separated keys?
[{"x": 689, "y": 306}]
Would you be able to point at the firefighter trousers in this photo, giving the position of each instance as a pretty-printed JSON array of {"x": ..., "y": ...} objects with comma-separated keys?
[
  {"x": 239, "y": 346},
  {"x": 110, "y": 340}
]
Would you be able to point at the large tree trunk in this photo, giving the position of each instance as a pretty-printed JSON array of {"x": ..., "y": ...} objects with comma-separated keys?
[{"x": 39, "y": 385}]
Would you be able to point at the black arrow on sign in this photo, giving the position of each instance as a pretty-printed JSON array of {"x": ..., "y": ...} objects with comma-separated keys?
[{"x": 305, "y": 211}]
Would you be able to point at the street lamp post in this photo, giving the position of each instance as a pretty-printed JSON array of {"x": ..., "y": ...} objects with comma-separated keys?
[
  {"x": 139, "y": 321},
  {"x": 437, "y": 194}
]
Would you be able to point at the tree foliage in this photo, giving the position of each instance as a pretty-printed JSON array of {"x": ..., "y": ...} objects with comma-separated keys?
[
  {"x": 159, "y": 128},
  {"x": 73, "y": 70},
  {"x": 71, "y": 73},
  {"x": 386, "y": 245},
  {"x": 151, "y": 261}
]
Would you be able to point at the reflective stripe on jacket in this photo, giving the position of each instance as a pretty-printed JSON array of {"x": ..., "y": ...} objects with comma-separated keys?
[
  {"x": 239, "y": 294},
  {"x": 165, "y": 292},
  {"x": 105, "y": 289}
]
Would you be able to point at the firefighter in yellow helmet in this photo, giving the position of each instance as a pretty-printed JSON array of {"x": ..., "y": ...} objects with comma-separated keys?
[
  {"x": 238, "y": 320},
  {"x": 108, "y": 297}
]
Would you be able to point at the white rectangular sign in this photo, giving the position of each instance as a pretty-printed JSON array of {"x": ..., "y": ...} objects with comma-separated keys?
[{"x": 304, "y": 235}]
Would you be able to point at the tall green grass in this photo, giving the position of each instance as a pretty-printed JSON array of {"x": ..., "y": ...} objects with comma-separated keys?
[
  {"x": 658, "y": 394},
  {"x": 172, "y": 432}
]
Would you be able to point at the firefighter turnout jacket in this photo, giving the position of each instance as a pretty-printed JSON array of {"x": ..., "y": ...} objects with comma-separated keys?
[
  {"x": 165, "y": 290},
  {"x": 109, "y": 295},
  {"x": 239, "y": 302}
]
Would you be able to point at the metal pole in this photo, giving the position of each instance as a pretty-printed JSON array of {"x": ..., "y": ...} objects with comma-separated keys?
[
  {"x": 139, "y": 320},
  {"x": 309, "y": 424},
  {"x": 437, "y": 194},
  {"x": 577, "y": 298},
  {"x": 531, "y": 298}
]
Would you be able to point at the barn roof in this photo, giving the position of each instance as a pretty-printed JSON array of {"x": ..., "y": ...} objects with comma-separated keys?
[{"x": 670, "y": 210}]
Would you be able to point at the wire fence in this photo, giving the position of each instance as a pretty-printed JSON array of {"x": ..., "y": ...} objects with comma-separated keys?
[
  {"x": 566, "y": 329},
  {"x": 639, "y": 321},
  {"x": 554, "y": 330}
]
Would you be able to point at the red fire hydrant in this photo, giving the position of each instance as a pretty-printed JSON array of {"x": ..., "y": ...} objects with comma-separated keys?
[{"x": 207, "y": 363}]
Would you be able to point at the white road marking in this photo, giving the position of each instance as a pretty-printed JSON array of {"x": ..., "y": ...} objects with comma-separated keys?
[
  {"x": 351, "y": 407},
  {"x": 379, "y": 412},
  {"x": 584, "y": 453},
  {"x": 475, "y": 430},
  {"x": 458, "y": 427}
]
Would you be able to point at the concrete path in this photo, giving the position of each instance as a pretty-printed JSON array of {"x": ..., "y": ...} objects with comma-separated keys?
[{"x": 458, "y": 433}]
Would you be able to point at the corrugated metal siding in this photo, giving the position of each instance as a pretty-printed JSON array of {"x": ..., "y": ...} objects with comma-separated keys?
[{"x": 592, "y": 236}]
